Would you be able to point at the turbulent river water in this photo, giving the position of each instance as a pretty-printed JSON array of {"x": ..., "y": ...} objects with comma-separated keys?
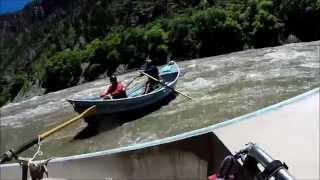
[{"x": 223, "y": 87}]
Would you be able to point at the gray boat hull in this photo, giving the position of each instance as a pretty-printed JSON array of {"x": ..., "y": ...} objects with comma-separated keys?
[{"x": 197, "y": 154}]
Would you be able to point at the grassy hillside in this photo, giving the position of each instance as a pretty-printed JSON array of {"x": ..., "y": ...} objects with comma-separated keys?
[{"x": 53, "y": 44}]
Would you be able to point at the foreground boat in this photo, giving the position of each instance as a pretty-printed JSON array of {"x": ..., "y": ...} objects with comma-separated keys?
[
  {"x": 288, "y": 131},
  {"x": 136, "y": 99}
]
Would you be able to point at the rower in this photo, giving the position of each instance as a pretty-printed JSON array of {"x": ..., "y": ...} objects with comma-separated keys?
[
  {"x": 153, "y": 71},
  {"x": 114, "y": 91}
]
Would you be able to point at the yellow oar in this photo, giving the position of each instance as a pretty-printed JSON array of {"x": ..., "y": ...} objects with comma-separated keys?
[
  {"x": 91, "y": 110},
  {"x": 7, "y": 156},
  {"x": 164, "y": 84}
]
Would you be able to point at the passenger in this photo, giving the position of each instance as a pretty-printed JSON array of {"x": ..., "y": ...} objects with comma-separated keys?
[
  {"x": 153, "y": 71},
  {"x": 116, "y": 90}
]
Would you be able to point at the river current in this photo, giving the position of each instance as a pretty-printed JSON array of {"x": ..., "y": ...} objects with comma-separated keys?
[{"x": 223, "y": 87}]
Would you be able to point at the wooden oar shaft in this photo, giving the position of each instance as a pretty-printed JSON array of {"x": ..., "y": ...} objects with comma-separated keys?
[
  {"x": 57, "y": 128},
  {"x": 164, "y": 84},
  {"x": 131, "y": 81},
  {"x": 7, "y": 156}
]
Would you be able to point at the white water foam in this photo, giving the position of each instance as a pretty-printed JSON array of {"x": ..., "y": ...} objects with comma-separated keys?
[
  {"x": 285, "y": 55},
  {"x": 198, "y": 83}
]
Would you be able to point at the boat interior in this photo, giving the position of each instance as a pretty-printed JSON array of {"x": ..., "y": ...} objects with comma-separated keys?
[{"x": 167, "y": 74}]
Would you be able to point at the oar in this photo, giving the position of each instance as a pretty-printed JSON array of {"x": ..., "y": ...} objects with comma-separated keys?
[
  {"x": 131, "y": 81},
  {"x": 7, "y": 156},
  {"x": 164, "y": 84}
]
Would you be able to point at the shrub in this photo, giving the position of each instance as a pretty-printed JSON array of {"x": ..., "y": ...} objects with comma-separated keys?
[
  {"x": 183, "y": 41},
  {"x": 62, "y": 71},
  {"x": 217, "y": 32},
  {"x": 90, "y": 49},
  {"x": 261, "y": 27},
  {"x": 134, "y": 47},
  {"x": 301, "y": 18},
  {"x": 156, "y": 39}
]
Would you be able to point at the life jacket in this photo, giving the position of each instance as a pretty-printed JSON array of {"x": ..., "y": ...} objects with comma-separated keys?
[{"x": 116, "y": 92}]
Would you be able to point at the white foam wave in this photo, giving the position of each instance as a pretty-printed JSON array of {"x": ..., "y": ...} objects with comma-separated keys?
[
  {"x": 197, "y": 84},
  {"x": 285, "y": 55}
]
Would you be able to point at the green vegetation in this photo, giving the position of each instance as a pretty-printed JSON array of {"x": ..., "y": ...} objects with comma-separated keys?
[
  {"x": 102, "y": 36},
  {"x": 63, "y": 70},
  {"x": 301, "y": 18}
]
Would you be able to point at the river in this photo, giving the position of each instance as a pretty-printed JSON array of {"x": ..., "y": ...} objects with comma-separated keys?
[{"x": 223, "y": 87}]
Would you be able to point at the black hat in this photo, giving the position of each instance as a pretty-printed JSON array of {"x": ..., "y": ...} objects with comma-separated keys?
[{"x": 113, "y": 78}]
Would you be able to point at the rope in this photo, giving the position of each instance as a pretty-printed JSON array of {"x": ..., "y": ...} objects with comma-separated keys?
[
  {"x": 38, "y": 169},
  {"x": 38, "y": 152}
]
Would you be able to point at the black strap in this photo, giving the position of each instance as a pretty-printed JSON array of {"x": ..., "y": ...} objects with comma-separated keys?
[
  {"x": 229, "y": 166},
  {"x": 24, "y": 166},
  {"x": 272, "y": 168}
]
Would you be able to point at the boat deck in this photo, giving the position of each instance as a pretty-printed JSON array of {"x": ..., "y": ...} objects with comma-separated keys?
[{"x": 289, "y": 133}]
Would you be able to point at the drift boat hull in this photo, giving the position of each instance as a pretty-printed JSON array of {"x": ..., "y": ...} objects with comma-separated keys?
[{"x": 135, "y": 100}]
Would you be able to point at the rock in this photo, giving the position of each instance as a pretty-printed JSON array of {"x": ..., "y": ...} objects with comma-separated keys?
[{"x": 292, "y": 39}]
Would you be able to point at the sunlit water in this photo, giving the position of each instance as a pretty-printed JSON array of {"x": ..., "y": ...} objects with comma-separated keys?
[{"x": 223, "y": 87}]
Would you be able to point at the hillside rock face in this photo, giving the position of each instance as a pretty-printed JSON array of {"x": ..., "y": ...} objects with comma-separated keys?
[
  {"x": 30, "y": 36},
  {"x": 48, "y": 38},
  {"x": 39, "y": 17},
  {"x": 24, "y": 34}
]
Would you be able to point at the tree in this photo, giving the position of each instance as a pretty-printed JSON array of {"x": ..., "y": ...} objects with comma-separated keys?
[
  {"x": 217, "y": 31},
  {"x": 157, "y": 39},
  {"x": 62, "y": 71},
  {"x": 260, "y": 27},
  {"x": 134, "y": 47},
  {"x": 183, "y": 42},
  {"x": 301, "y": 17}
]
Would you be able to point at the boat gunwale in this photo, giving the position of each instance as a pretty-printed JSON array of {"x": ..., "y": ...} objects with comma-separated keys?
[
  {"x": 189, "y": 134},
  {"x": 135, "y": 97}
]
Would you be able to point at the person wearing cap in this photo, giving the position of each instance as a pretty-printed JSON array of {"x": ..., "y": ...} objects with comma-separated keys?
[
  {"x": 153, "y": 71},
  {"x": 114, "y": 91}
]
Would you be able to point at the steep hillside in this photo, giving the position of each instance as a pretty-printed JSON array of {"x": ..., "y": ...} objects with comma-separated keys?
[
  {"x": 29, "y": 37},
  {"x": 54, "y": 44}
]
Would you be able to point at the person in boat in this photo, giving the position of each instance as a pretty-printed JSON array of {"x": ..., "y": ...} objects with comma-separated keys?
[
  {"x": 153, "y": 71},
  {"x": 114, "y": 91}
]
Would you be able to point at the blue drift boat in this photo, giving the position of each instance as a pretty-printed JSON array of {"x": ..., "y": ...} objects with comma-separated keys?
[{"x": 169, "y": 75}]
